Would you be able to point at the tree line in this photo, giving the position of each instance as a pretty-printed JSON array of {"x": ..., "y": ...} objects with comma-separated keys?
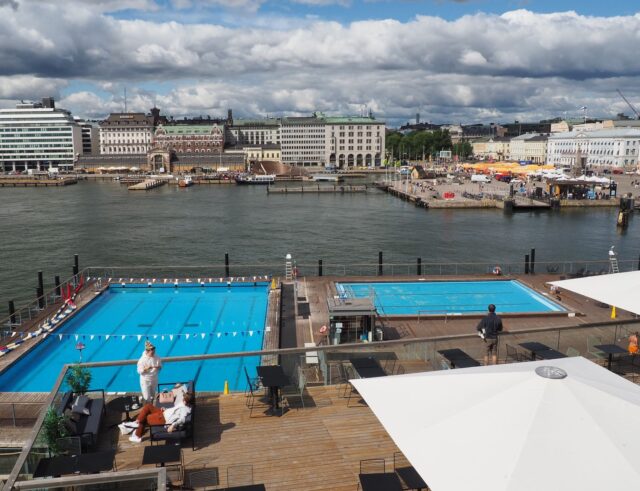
[{"x": 419, "y": 145}]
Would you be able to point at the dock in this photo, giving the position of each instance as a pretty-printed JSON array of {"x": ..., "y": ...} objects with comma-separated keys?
[
  {"x": 20, "y": 181},
  {"x": 147, "y": 184},
  {"x": 317, "y": 189}
]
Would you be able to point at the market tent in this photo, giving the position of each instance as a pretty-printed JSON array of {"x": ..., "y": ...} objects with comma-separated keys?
[
  {"x": 621, "y": 290},
  {"x": 510, "y": 427}
]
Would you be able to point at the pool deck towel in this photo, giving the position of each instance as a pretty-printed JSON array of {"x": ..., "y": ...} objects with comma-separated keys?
[{"x": 513, "y": 428}]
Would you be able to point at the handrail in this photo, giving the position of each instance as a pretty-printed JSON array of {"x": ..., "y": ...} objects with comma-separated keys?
[
  {"x": 158, "y": 473},
  {"x": 286, "y": 351}
]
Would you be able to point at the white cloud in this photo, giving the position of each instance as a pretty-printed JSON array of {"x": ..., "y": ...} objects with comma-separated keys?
[{"x": 516, "y": 65}]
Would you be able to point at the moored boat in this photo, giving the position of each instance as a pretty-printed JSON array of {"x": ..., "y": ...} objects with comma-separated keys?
[
  {"x": 328, "y": 178},
  {"x": 256, "y": 179},
  {"x": 185, "y": 182}
]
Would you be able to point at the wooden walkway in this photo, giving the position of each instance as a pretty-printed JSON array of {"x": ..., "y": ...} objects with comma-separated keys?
[{"x": 147, "y": 184}]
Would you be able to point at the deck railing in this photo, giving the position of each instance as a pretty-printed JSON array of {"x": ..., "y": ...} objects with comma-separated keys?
[{"x": 395, "y": 356}]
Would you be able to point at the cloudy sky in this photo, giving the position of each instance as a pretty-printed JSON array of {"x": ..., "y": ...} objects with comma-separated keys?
[{"x": 451, "y": 60}]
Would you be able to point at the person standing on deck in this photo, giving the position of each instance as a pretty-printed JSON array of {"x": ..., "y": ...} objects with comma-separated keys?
[
  {"x": 489, "y": 327},
  {"x": 148, "y": 367}
]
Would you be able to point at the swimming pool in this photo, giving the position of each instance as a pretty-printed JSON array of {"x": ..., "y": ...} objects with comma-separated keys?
[
  {"x": 186, "y": 320},
  {"x": 449, "y": 297}
]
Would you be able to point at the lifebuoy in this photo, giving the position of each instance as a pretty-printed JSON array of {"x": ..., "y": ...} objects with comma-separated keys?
[
  {"x": 323, "y": 329},
  {"x": 497, "y": 271}
]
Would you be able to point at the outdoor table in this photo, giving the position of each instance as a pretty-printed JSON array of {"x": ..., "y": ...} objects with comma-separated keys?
[
  {"x": 124, "y": 404},
  {"x": 89, "y": 463},
  {"x": 162, "y": 454},
  {"x": 248, "y": 487},
  {"x": 273, "y": 376},
  {"x": 458, "y": 358},
  {"x": 380, "y": 481},
  {"x": 534, "y": 348},
  {"x": 550, "y": 354},
  {"x": 411, "y": 478},
  {"x": 367, "y": 367},
  {"x": 610, "y": 349}
]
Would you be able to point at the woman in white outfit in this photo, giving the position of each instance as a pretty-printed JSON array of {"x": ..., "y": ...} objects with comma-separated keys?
[{"x": 148, "y": 367}]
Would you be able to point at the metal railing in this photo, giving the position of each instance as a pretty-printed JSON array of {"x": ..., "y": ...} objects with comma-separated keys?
[
  {"x": 392, "y": 355},
  {"x": 13, "y": 416}
]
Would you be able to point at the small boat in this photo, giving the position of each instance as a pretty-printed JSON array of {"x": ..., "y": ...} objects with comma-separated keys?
[
  {"x": 256, "y": 179},
  {"x": 328, "y": 178},
  {"x": 185, "y": 182}
]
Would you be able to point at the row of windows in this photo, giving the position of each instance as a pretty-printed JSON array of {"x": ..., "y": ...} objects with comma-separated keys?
[
  {"x": 38, "y": 129},
  {"x": 35, "y": 140}
]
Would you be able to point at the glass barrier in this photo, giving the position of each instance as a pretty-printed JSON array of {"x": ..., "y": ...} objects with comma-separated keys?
[{"x": 312, "y": 368}]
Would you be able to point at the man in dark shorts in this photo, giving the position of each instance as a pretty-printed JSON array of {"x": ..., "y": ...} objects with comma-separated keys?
[{"x": 489, "y": 327}]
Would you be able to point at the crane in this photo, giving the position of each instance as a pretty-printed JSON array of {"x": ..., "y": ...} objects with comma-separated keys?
[{"x": 629, "y": 104}]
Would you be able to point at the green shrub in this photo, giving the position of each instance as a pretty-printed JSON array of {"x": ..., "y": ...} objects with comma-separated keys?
[{"x": 78, "y": 379}]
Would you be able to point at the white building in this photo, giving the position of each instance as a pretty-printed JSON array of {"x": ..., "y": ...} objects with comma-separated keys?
[
  {"x": 530, "y": 147},
  {"x": 595, "y": 149},
  {"x": 36, "y": 135},
  {"x": 354, "y": 141},
  {"x": 303, "y": 140},
  {"x": 254, "y": 132},
  {"x": 126, "y": 134}
]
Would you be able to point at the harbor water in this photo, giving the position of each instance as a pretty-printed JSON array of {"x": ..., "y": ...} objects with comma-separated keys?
[{"x": 109, "y": 226}]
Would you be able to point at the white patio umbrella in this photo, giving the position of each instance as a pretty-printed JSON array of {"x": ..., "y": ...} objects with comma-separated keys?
[
  {"x": 621, "y": 290},
  {"x": 506, "y": 427}
]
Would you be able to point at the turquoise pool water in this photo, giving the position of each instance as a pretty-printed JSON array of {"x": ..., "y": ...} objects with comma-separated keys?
[
  {"x": 187, "y": 320},
  {"x": 449, "y": 297}
]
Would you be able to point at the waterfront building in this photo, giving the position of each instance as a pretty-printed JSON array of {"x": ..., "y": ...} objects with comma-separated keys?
[
  {"x": 36, "y": 135},
  {"x": 601, "y": 149},
  {"x": 354, "y": 141},
  {"x": 531, "y": 147},
  {"x": 303, "y": 141},
  {"x": 90, "y": 136},
  {"x": 188, "y": 139},
  {"x": 254, "y": 132},
  {"x": 126, "y": 134}
]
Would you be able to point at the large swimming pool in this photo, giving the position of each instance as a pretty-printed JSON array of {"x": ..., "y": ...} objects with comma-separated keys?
[
  {"x": 187, "y": 320},
  {"x": 449, "y": 297}
]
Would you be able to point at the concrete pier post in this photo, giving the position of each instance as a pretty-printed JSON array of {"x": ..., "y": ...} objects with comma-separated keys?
[
  {"x": 227, "y": 274},
  {"x": 56, "y": 281},
  {"x": 320, "y": 267},
  {"x": 532, "y": 260},
  {"x": 419, "y": 266},
  {"x": 39, "y": 295},
  {"x": 76, "y": 264},
  {"x": 526, "y": 264},
  {"x": 380, "y": 271},
  {"x": 40, "y": 281}
]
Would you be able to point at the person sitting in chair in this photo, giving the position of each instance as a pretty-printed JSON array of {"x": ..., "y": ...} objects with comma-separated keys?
[{"x": 152, "y": 415}]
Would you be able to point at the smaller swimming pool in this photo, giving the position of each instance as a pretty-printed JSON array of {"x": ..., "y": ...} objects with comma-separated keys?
[{"x": 449, "y": 297}]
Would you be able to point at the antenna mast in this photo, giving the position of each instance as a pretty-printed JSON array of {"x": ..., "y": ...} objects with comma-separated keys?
[{"x": 125, "y": 99}]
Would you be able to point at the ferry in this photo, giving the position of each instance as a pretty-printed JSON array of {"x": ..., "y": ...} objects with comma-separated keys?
[
  {"x": 185, "y": 182},
  {"x": 256, "y": 179},
  {"x": 328, "y": 178}
]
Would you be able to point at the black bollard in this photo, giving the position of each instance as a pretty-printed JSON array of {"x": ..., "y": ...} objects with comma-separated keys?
[
  {"x": 57, "y": 283},
  {"x": 533, "y": 261},
  {"x": 12, "y": 312},
  {"x": 320, "y": 267},
  {"x": 40, "y": 282},
  {"x": 419, "y": 266},
  {"x": 76, "y": 263},
  {"x": 526, "y": 264},
  {"x": 226, "y": 265},
  {"x": 40, "y": 295},
  {"x": 380, "y": 263}
]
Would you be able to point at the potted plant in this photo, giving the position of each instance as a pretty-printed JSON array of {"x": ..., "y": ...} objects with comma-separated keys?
[
  {"x": 78, "y": 379},
  {"x": 53, "y": 428}
]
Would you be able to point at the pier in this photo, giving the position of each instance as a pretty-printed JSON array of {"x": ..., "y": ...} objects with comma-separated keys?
[
  {"x": 147, "y": 184},
  {"x": 317, "y": 189},
  {"x": 20, "y": 181}
]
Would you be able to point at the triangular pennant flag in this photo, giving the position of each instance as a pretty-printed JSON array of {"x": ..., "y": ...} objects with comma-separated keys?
[
  {"x": 170, "y": 337},
  {"x": 250, "y": 333},
  {"x": 155, "y": 336},
  {"x": 107, "y": 337},
  {"x": 99, "y": 337},
  {"x": 219, "y": 334},
  {"x": 76, "y": 337},
  {"x": 162, "y": 337},
  {"x": 91, "y": 337},
  {"x": 60, "y": 337},
  {"x": 202, "y": 335},
  {"x": 187, "y": 336},
  {"x": 139, "y": 337},
  {"x": 13, "y": 334},
  {"x": 122, "y": 337}
]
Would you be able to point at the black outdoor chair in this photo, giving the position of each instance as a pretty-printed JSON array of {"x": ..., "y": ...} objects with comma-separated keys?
[
  {"x": 407, "y": 474},
  {"x": 69, "y": 445},
  {"x": 253, "y": 385},
  {"x": 512, "y": 354},
  {"x": 202, "y": 478}
]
